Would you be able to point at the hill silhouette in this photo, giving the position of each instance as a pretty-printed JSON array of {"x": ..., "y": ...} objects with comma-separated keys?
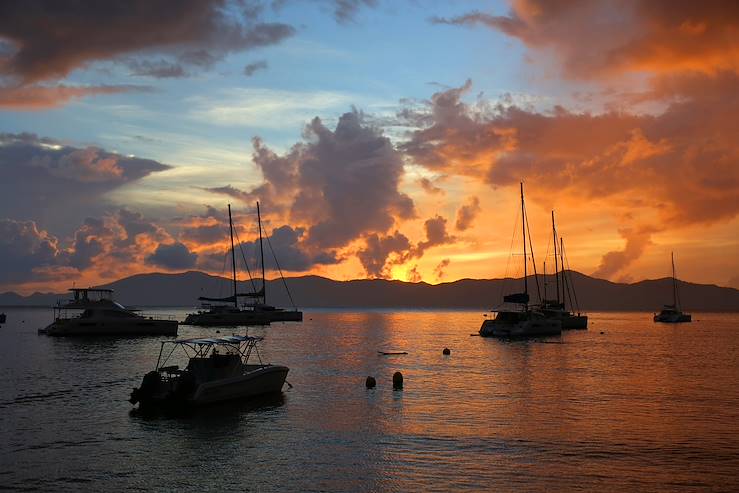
[{"x": 183, "y": 289}]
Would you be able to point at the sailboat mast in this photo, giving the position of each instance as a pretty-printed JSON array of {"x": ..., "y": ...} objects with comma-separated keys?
[
  {"x": 233, "y": 254},
  {"x": 523, "y": 228},
  {"x": 674, "y": 281},
  {"x": 556, "y": 268},
  {"x": 261, "y": 252}
]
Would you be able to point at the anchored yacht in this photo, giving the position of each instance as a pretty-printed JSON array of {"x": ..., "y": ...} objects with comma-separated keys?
[
  {"x": 93, "y": 312},
  {"x": 672, "y": 314},
  {"x": 227, "y": 311},
  {"x": 556, "y": 308},
  {"x": 218, "y": 370},
  {"x": 517, "y": 319}
]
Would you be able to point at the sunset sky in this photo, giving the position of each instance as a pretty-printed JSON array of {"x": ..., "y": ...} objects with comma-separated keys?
[{"x": 382, "y": 138}]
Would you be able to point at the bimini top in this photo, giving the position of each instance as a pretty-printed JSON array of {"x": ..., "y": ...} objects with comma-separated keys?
[{"x": 218, "y": 340}]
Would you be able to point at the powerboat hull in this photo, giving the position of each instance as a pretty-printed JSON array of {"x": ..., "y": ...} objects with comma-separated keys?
[
  {"x": 258, "y": 380},
  {"x": 539, "y": 327},
  {"x": 135, "y": 327}
]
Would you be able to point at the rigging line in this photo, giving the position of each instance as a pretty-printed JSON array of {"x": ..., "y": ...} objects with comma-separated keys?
[
  {"x": 533, "y": 261},
  {"x": 573, "y": 297},
  {"x": 241, "y": 249},
  {"x": 223, "y": 271},
  {"x": 277, "y": 263},
  {"x": 510, "y": 255}
]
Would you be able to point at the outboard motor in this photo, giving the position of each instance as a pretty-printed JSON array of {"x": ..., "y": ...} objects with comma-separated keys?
[{"x": 149, "y": 385}]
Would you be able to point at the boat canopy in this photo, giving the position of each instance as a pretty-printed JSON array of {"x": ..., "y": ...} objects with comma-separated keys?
[{"x": 217, "y": 340}]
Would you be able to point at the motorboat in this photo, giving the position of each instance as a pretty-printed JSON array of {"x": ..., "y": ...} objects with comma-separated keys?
[
  {"x": 565, "y": 290},
  {"x": 218, "y": 369},
  {"x": 93, "y": 312},
  {"x": 672, "y": 314},
  {"x": 228, "y": 312},
  {"x": 515, "y": 318}
]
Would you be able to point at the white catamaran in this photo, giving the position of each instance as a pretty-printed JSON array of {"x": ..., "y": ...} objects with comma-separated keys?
[
  {"x": 519, "y": 319},
  {"x": 227, "y": 311},
  {"x": 672, "y": 314}
]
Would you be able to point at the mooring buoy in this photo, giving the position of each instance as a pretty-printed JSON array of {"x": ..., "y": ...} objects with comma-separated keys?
[
  {"x": 370, "y": 382},
  {"x": 397, "y": 380},
  {"x": 446, "y": 351}
]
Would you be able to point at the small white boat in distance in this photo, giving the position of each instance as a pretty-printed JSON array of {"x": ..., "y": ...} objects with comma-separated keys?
[
  {"x": 210, "y": 375},
  {"x": 671, "y": 314},
  {"x": 92, "y": 312}
]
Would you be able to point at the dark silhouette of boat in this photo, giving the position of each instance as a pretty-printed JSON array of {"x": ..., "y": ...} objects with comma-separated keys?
[
  {"x": 93, "y": 312},
  {"x": 518, "y": 319},
  {"x": 556, "y": 308},
  {"x": 218, "y": 370},
  {"x": 227, "y": 311},
  {"x": 672, "y": 314}
]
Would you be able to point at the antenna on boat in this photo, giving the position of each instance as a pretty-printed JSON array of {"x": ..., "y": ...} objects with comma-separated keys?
[
  {"x": 261, "y": 252},
  {"x": 556, "y": 267},
  {"x": 233, "y": 255},
  {"x": 674, "y": 282}
]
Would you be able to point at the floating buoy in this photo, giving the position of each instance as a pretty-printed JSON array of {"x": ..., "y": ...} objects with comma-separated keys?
[
  {"x": 446, "y": 351},
  {"x": 601, "y": 332},
  {"x": 397, "y": 380},
  {"x": 218, "y": 332},
  {"x": 370, "y": 382}
]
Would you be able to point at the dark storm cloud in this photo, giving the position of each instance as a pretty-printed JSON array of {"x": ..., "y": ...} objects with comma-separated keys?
[
  {"x": 23, "y": 249},
  {"x": 49, "y": 39},
  {"x": 255, "y": 67},
  {"x": 374, "y": 256},
  {"x": 467, "y": 214},
  {"x": 55, "y": 184},
  {"x": 343, "y": 184},
  {"x": 382, "y": 252},
  {"x": 172, "y": 256},
  {"x": 291, "y": 253}
]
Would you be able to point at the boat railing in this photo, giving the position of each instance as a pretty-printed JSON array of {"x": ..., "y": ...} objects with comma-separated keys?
[{"x": 157, "y": 316}]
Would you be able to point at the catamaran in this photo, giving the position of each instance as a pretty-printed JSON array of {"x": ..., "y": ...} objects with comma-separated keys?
[
  {"x": 218, "y": 370},
  {"x": 518, "y": 319},
  {"x": 672, "y": 314},
  {"x": 556, "y": 309},
  {"x": 227, "y": 311},
  {"x": 92, "y": 312}
]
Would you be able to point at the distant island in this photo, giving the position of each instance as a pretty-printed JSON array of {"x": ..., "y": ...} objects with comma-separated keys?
[{"x": 593, "y": 294}]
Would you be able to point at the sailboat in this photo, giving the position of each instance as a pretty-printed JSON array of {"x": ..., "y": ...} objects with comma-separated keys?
[
  {"x": 672, "y": 314},
  {"x": 226, "y": 311},
  {"x": 556, "y": 309},
  {"x": 518, "y": 319}
]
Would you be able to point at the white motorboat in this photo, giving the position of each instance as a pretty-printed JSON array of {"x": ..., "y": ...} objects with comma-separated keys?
[
  {"x": 516, "y": 319},
  {"x": 93, "y": 312},
  {"x": 218, "y": 370},
  {"x": 227, "y": 311},
  {"x": 672, "y": 314}
]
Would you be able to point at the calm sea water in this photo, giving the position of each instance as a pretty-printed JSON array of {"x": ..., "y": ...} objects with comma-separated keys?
[{"x": 628, "y": 405}]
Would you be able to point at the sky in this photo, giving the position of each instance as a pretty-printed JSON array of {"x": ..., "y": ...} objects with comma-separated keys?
[{"x": 382, "y": 139}]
